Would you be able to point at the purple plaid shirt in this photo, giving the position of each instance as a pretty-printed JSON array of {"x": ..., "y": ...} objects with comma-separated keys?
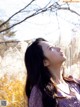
[{"x": 35, "y": 99}]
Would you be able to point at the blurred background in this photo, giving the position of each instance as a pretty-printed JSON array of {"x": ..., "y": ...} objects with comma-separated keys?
[{"x": 20, "y": 23}]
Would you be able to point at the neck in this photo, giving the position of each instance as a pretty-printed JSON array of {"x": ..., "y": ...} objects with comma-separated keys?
[{"x": 56, "y": 74}]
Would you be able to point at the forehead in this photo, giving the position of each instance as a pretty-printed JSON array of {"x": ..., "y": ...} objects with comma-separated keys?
[{"x": 45, "y": 44}]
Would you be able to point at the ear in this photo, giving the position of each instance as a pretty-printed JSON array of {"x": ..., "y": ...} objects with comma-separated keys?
[{"x": 46, "y": 62}]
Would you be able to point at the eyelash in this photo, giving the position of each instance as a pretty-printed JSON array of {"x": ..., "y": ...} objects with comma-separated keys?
[{"x": 51, "y": 48}]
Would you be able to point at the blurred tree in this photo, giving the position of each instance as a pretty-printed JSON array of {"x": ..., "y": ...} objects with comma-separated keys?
[
  {"x": 7, "y": 33},
  {"x": 32, "y": 9}
]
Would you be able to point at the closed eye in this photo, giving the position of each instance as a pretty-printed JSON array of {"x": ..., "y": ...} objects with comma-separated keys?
[{"x": 51, "y": 48}]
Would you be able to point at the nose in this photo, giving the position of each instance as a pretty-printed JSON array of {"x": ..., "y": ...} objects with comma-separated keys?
[{"x": 58, "y": 49}]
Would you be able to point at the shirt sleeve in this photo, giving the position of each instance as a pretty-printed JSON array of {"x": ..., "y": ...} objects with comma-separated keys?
[{"x": 35, "y": 99}]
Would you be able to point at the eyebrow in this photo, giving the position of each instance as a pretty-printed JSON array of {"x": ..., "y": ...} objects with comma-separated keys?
[{"x": 48, "y": 46}]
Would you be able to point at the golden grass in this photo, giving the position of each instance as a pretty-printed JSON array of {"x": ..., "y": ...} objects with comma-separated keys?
[{"x": 12, "y": 90}]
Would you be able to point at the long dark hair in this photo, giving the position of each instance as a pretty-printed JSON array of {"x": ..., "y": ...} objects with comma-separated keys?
[{"x": 39, "y": 75}]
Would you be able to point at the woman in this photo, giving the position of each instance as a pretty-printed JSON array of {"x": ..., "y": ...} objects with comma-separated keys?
[{"x": 46, "y": 86}]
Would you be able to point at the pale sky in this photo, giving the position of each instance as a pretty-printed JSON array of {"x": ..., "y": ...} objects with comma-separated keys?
[{"x": 45, "y": 25}]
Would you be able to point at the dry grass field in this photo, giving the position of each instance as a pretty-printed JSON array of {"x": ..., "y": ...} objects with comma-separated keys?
[{"x": 13, "y": 72}]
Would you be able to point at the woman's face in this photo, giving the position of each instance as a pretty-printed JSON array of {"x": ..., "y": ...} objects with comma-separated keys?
[{"x": 53, "y": 55}]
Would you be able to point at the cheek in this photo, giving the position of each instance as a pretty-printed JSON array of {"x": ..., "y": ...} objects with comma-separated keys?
[
  {"x": 51, "y": 57},
  {"x": 55, "y": 58}
]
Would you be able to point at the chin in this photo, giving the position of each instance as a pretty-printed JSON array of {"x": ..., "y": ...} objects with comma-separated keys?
[{"x": 64, "y": 59}]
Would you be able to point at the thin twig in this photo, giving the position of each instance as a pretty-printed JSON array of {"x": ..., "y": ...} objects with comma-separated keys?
[
  {"x": 41, "y": 10},
  {"x": 12, "y": 41},
  {"x": 16, "y": 14}
]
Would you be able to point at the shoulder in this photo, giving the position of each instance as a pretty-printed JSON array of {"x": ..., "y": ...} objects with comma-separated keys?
[
  {"x": 35, "y": 99},
  {"x": 35, "y": 91},
  {"x": 71, "y": 80}
]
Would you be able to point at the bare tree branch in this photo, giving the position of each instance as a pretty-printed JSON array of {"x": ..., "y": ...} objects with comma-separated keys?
[
  {"x": 16, "y": 13},
  {"x": 73, "y": 11},
  {"x": 59, "y": 7},
  {"x": 14, "y": 41},
  {"x": 11, "y": 41},
  {"x": 34, "y": 14},
  {"x": 49, "y": 7}
]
